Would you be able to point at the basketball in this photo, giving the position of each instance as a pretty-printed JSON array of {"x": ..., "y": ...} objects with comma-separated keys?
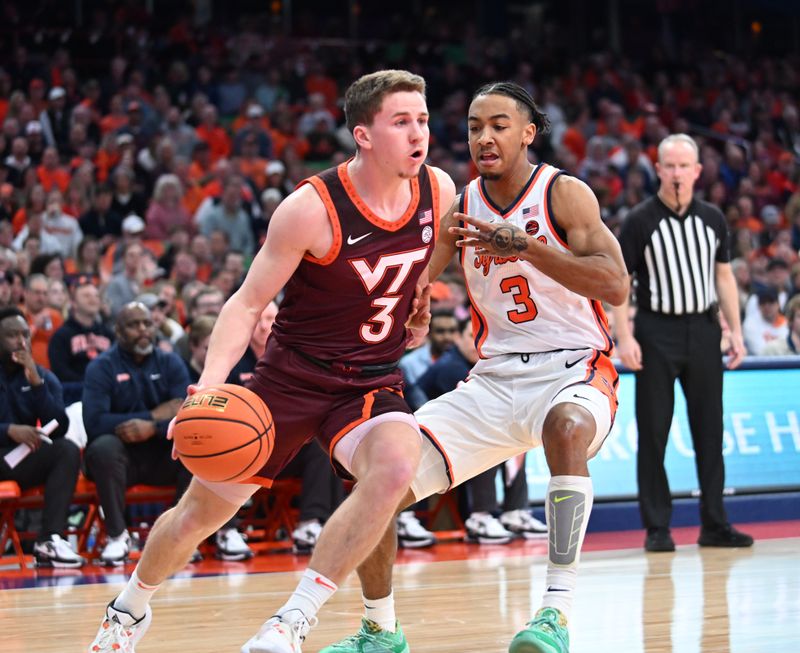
[{"x": 223, "y": 433}]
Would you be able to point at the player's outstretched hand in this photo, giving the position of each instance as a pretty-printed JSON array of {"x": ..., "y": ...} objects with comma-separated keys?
[{"x": 499, "y": 239}]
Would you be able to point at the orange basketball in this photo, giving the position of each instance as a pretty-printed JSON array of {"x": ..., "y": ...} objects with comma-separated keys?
[{"x": 224, "y": 433}]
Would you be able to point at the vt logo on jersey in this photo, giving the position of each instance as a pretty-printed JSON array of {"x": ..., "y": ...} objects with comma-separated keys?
[{"x": 380, "y": 325}]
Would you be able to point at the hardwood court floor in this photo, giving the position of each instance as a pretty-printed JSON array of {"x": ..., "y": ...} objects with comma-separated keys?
[{"x": 692, "y": 601}]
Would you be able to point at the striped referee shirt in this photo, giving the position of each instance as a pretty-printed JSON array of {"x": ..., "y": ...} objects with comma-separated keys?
[{"x": 673, "y": 257}]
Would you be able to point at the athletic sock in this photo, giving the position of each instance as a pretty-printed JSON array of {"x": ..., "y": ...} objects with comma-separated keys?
[
  {"x": 568, "y": 506},
  {"x": 381, "y": 611},
  {"x": 135, "y": 597},
  {"x": 312, "y": 591}
]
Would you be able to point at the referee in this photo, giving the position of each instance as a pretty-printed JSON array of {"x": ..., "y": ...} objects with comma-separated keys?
[{"x": 676, "y": 249}]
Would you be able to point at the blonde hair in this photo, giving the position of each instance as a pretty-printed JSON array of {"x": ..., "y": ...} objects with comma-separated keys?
[
  {"x": 364, "y": 98},
  {"x": 164, "y": 181}
]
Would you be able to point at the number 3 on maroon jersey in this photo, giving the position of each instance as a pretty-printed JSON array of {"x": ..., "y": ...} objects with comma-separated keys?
[{"x": 379, "y": 326}]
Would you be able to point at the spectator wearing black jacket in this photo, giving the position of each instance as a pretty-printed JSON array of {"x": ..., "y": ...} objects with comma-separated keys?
[
  {"x": 102, "y": 221},
  {"x": 81, "y": 339},
  {"x": 130, "y": 393},
  {"x": 32, "y": 394}
]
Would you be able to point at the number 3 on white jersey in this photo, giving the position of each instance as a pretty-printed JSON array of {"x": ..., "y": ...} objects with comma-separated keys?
[{"x": 379, "y": 326}]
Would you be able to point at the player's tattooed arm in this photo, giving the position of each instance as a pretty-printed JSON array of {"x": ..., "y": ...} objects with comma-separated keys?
[
  {"x": 507, "y": 239},
  {"x": 499, "y": 239}
]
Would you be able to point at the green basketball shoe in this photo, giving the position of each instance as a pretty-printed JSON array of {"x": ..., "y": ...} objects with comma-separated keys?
[
  {"x": 547, "y": 633},
  {"x": 371, "y": 638}
]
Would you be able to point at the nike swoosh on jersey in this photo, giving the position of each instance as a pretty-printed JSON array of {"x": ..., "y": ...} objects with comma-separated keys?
[
  {"x": 574, "y": 363},
  {"x": 353, "y": 241},
  {"x": 560, "y": 499}
]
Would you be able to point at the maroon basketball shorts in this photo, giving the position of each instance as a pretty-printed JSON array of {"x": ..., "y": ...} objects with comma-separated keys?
[{"x": 307, "y": 401}]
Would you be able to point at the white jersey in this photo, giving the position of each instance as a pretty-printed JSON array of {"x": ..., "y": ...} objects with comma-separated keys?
[{"x": 515, "y": 307}]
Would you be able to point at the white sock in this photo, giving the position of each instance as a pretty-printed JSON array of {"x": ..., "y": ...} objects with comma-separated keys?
[
  {"x": 135, "y": 596},
  {"x": 381, "y": 611},
  {"x": 568, "y": 505},
  {"x": 312, "y": 591}
]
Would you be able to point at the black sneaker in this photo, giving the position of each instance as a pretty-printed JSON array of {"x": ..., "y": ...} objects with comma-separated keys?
[
  {"x": 727, "y": 536},
  {"x": 56, "y": 552},
  {"x": 659, "y": 540}
]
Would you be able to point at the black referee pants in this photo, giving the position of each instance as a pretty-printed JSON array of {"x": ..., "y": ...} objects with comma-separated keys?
[{"x": 686, "y": 348}]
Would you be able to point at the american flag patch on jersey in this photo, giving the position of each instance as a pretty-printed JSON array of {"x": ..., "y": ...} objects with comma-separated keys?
[
  {"x": 426, "y": 216},
  {"x": 531, "y": 211}
]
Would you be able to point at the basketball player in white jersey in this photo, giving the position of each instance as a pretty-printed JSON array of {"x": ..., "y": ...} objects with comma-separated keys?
[{"x": 537, "y": 260}]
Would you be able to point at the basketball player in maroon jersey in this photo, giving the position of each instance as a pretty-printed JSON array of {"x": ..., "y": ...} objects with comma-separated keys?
[{"x": 350, "y": 246}]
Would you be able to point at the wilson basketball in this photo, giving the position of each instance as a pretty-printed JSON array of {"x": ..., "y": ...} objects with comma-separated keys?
[{"x": 223, "y": 433}]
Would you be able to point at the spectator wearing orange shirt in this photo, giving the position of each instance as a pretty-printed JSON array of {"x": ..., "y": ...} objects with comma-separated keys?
[
  {"x": 246, "y": 116},
  {"x": 50, "y": 173},
  {"x": 42, "y": 319},
  {"x": 108, "y": 157},
  {"x": 116, "y": 118},
  {"x": 250, "y": 164},
  {"x": 318, "y": 82},
  {"x": 210, "y": 131},
  {"x": 35, "y": 204},
  {"x": 781, "y": 179},
  {"x": 201, "y": 170},
  {"x": 193, "y": 194},
  {"x": 285, "y": 137},
  {"x": 574, "y": 138},
  {"x": 748, "y": 219}
]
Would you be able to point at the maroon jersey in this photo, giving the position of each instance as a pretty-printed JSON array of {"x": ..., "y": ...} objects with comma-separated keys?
[{"x": 351, "y": 305}]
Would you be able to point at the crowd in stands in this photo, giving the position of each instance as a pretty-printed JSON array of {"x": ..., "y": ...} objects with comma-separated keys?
[{"x": 144, "y": 162}]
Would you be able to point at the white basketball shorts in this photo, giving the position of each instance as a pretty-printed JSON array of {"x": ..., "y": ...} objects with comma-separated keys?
[{"x": 499, "y": 412}]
